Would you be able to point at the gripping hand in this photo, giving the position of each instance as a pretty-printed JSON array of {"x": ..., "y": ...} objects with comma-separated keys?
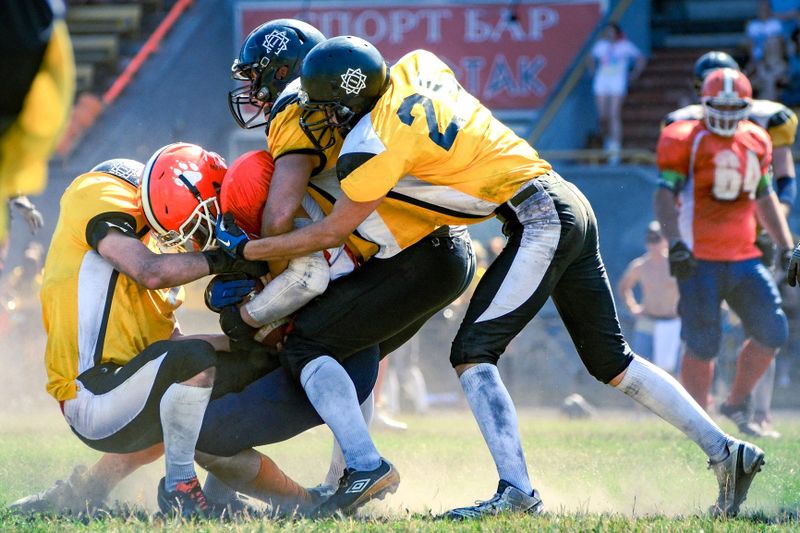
[
  {"x": 230, "y": 236},
  {"x": 228, "y": 289},
  {"x": 681, "y": 261}
]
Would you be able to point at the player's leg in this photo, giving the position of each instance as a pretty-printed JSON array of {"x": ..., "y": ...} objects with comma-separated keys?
[
  {"x": 699, "y": 308},
  {"x": 584, "y": 300},
  {"x": 256, "y": 475},
  {"x": 762, "y": 402},
  {"x": 755, "y": 298},
  {"x": 160, "y": 393},
  {"x": 86, "y": 490},
  {"x": 370, "y": 305},
  {"x": 541, "y": 244}
]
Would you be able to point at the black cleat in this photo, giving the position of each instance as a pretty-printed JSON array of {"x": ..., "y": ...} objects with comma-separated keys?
[
  {"x": 358, "y": 487},
  {"x": 741, "y": 416}
]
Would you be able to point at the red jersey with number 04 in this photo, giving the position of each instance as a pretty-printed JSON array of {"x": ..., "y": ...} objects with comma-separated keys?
[{"x": 717, "y": 180}]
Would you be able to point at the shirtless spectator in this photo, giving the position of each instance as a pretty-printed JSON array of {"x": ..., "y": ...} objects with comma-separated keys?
[{"x": 658, "y": 327}]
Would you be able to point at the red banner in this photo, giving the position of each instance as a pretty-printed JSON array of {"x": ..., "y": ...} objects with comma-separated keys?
[{"x": 510, "y": 55}]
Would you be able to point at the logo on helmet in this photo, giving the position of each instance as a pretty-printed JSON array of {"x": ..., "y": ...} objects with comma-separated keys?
[
  {"x": 190, "y": 171},
  {"x": 275, "y": 40},
  {"x": 353, "y": 81}
]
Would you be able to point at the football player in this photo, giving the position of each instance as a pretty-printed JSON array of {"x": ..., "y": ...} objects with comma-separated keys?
[
  {"x": 178, "y": 199},
  {"x": 781, "y": 124},
  {"x": 428, "y": 267},
  {"x": 715, "y": 179},
  {"x": 123, "y": 374},
  {"x": 414, "y": 135}
]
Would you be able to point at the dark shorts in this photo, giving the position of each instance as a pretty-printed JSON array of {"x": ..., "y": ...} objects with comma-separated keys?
[
  {"x": 273, "y": 408},
  {"x": 552, "y": 250},
  {"x": 383, "y": 302},
  {"x": 182, "y": 360},
  {"x": 751, "y": 293}
]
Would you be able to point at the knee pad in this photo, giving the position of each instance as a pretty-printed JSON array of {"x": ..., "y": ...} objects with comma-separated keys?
[
  {"x": 771, "y": 331},
  {"x": 704, "y": 343},
  {"x": 188, "y": 358}
]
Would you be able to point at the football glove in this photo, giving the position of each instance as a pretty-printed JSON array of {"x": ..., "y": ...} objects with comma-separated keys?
[
  {"x": 230, "y": 320},
  {"x": 793, "y": 266},
  {"x": 220, "y": 262},
  {"x": 681, "y": 261},
  {"x": 228, "y": 289},
  {"x": 230, "y": 236}
]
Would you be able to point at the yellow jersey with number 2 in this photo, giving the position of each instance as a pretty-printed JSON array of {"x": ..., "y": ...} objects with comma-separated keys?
[{"x": 433, "y": 146}]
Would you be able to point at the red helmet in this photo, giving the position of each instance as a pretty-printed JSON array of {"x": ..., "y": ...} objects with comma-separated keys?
[
  {"x": 727, "y": 96},
  {"x": 245, "y": 189},
  {"x": 179, "y": 191}
]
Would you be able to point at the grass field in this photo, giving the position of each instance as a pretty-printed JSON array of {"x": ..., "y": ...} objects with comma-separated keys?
[{"x": 614, "y": 473}]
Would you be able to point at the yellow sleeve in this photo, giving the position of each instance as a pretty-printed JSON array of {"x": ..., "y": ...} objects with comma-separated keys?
[
  {"x": 782, "y": 128},
  {"x": 101, "y": 197},
  {"x": 285, "y": 135}
]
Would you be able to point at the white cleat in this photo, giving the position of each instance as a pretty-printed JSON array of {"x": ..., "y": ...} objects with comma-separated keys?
[{"x": 734, "y": 475}]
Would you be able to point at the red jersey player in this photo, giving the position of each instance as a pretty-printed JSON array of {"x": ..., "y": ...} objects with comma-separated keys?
[{"x": 715, "y": 180}]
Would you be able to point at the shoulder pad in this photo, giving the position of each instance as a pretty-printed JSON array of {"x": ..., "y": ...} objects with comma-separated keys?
[{"x": 689, "y": 112}]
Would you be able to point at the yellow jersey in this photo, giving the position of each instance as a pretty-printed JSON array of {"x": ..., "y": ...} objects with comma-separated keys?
[
  {"x": 388, "y": 230},
  {"x": 435, "y": 148},
  {"x": 93, "y": 313}
]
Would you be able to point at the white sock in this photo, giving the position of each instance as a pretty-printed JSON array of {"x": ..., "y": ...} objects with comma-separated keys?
[
  {"x": 182, "y": 410},
  {"x": 762, "y": 392},
  {"x": 216, "y": 491},
  {"x": 496, "y": 416},
  {"x": 336, "y": 470},
  {"x": 332, "y": 393},
  {"x": 662, "y": 394}
]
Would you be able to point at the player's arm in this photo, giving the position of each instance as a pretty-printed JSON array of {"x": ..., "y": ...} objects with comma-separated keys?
[
  {"x": 672, "y": 159},
  {"x": 771, "y": 216},
  {"x": 629, "y": 280},
  {"x": 330, "y": 232},
  {"x": 785, "y": 182},
  {"x": 130, "y": 256},
  {"x": 304, "y": 279},
  {"x": 289, "y": 183},
  {"x": 666, "y": 206}
]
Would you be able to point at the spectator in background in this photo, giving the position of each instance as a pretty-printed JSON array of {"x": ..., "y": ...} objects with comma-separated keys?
[
  {"x": 771, "y": 72},
  {"x": 657, "y": 334},
  {"x": 761, "y": 30},
  {"x": 615, "y": 62}
]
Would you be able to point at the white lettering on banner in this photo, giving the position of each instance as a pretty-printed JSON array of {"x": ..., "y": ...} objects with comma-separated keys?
[
  {"x": 540, "y": 19},
  {"x": 472, "y": 73},
  {"x": 501, "y": 77},
  {"x": 478, "y": 30},
  {"x": 402, "y": 21},
  {"x": 370, "y": 20},
  {"x": 377, "y": 26},
  {"x": 434, "y": 18}
]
